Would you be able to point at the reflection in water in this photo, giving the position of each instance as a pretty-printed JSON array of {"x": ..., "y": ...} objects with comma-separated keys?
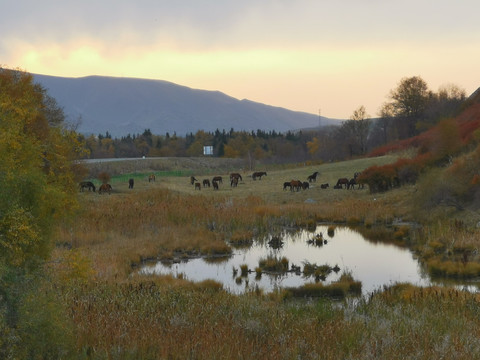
[{"x": 375, "y": 265}]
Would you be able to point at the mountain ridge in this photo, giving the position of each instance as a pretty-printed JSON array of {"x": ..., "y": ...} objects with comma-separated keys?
[{"x": 123, "y": 105}]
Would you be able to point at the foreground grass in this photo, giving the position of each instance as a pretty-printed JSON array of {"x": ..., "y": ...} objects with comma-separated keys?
[{"x": 117, "y": 314}]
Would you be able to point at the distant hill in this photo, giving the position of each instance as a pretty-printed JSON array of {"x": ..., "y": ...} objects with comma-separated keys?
[{"x": 125, "y": 106}]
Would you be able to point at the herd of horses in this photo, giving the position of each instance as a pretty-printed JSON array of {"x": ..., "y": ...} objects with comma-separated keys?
[
  {"x": 235, "y": 178},
  {"x": 342, "y": 183}
]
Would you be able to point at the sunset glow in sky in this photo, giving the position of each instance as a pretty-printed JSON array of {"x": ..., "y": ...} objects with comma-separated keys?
[{"x": 303, "y": 55}]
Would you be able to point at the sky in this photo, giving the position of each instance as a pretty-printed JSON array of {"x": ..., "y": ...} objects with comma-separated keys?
[{"x": 321, "y": 57}]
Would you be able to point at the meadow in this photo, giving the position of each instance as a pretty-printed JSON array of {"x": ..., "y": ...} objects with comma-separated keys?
[{"x": 115, "y": 313}]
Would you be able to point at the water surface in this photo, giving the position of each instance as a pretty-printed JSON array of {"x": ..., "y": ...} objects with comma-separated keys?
[{"x": 374, "y": 264}]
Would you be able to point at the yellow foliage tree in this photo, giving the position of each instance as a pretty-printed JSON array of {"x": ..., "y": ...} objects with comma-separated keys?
[{"x": 37, "y": 177}]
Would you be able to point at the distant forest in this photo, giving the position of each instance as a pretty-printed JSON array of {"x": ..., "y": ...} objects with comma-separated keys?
[{"x": 412, "y": 108}]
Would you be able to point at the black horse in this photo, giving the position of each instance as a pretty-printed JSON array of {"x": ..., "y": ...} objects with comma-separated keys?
[
  {"x": 86, "y": 185},
  {"x": 130, "y": 183},
  {"x": 313, "y": 177}
]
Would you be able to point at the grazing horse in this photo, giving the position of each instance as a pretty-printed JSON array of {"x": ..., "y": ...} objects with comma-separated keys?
[
  {"x": 215, "y": 185},
  {"x": 352, "y": 183},
  {"x": 130, "y": 183},
  {"x": 105, "y": 188},
  {"x": 295, "y": 185},
  {"x": 361, "y": 185},
  {"x": 206, "y": 183},
  {"x": 192, "y": 180},
  {"x": 86, "y": 185},
  {"x": 197, "y": 186},
  {"x": 341, "y": 182},
  {"x": 305, "y": 185},
  {"x": 218, "y": 179},
  {"x": 313, "y": 177},
  {"x": 151, "y": 177},
  {"x": 287, "y": 184},
  {"x": 234, "y": 181},
  {"x": 258, "y": 174},
  {"x": 236, "y": 175},
  {"x": 324, "y": 186}
]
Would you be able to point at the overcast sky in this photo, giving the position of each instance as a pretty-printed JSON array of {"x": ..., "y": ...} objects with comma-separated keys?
[{"x": 303, "y": 55}]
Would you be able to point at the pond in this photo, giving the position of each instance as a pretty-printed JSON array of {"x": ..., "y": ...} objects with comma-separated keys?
[{"x": 374, "y": 264}]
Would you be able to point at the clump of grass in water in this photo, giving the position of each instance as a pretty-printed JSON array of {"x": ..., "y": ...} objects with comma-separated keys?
[
  {"x": 338, "y": 289},
  {"x": 272, "y": 263},
  {"x": 243, "y": 270}
]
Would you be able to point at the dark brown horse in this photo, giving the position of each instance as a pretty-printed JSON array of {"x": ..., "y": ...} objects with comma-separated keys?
[
  {"x": 258, "y": 174},
  {"x": 235, "y": 175},
  {"x": 324, "y": 186},
  {"x": 86, "y": 185},
  {"x": 192, "y": 180},
  {"x": 341, "y": 182},
  {"x": 105, "y": 188},
  {"x": 206, "y": 183},
  {"x": 287, "y": 184},
  {"x": 305, "y": 185},
  {"x": 313, "y": 177},
  {"x": 197, "y": 186},
  {"x": 296, "y": 185},
  {"x": 218, "y": 179},
  {"x": 215, "y": 185},
  {"x": 130, "y": 183}
]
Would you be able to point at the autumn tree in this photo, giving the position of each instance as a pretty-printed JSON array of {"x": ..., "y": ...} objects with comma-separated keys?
[{"x": 38, "y": 178}]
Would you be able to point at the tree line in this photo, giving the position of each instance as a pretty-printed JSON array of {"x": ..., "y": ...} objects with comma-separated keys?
[{"x": 411, "y": 108}]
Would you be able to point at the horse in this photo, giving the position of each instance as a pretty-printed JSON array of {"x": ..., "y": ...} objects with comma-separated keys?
[
  {"x": 86, "y": 185},
  {"x": 218, "y": 179},
  {"x": 287, "y": 184},
  {"x": 352, "y": 183},
  {"x": 105, "y": 188},
  {"x": 130, "y": 183},
  {"x": 192, "y": 180},
  {"x": 305, "y": 185},
  {"x": 215, "y": 185},
  {"x": 197, "y": 186},
  {"x": 341, "y": 182},
  {"x": 295, "y": 185},
  {"x": 258, "y": 174},
  {"x": 337, "y": 186},
  {"x": 151, "y": 177},
  {"x": 236, "y": 175},
  {"x": 324, "y": 186},
  {"x": 313, "y": 177},
  {"x": 206, "y": 183},
  {"x": 234, "y": 182},
  {"x": 361, "y": 185}
]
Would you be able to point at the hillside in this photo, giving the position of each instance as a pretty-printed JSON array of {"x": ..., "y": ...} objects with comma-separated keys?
[{"x": 124, "y": 106}]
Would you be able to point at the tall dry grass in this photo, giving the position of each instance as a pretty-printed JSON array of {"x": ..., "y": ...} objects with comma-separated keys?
[{"x": 118, "y": 314}]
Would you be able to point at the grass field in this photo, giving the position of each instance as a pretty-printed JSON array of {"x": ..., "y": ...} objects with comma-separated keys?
[{"x": 116, "y": 313}]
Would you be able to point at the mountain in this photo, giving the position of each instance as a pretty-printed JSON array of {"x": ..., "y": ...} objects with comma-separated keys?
[{"x": 125, "y": 106}]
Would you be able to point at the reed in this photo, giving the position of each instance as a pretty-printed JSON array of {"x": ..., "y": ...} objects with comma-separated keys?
[{"x": 116, "y": 313}]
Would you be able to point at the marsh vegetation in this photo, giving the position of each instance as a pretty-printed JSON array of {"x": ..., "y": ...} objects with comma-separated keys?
[{"x": 117, "y": 311}]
